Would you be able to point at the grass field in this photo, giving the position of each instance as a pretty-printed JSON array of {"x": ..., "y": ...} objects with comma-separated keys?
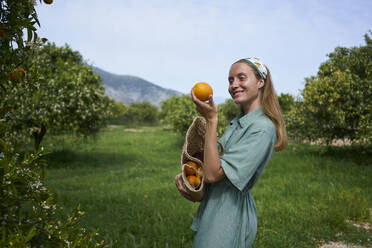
[{"x": 124, "y": 182}]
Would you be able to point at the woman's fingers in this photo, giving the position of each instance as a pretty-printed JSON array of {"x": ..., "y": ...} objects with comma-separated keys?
[
  {"x": 211, "y": 101},
  {"x": 202, "y": 107},
  {"x": 195, "y": 99},
  {"x": 179, "y": 183}
]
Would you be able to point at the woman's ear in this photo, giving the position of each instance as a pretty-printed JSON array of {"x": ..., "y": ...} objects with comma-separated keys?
[{"x": 260, "y": 83}]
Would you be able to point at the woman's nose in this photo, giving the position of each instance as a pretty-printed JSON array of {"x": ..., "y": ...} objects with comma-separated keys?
[{"x": 234, "y": 84}]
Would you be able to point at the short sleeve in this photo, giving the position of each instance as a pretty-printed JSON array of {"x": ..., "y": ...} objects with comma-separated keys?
[{"x": 241, "y": 160}]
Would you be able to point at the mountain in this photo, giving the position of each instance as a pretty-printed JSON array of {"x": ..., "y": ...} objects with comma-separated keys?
[{"x": 130, "y": 89}]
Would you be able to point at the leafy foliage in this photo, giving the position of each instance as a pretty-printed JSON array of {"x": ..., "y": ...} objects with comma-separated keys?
[
  {"x": 337, "y": 102},
  {"x": 179, "y": 112},
  {"x": 141, "y": 113},
  {"x": 118, "y": 111},
  {"x": 60, "y": 92},
  {"x": 16, "y": 16},
  {"x": 30, "y": 215},
  {"x": 286, "y": 102},
  {"x": 226, "y": 112}
]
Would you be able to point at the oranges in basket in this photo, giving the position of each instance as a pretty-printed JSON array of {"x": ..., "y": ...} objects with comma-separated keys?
[{"x": 193, "y": 173}]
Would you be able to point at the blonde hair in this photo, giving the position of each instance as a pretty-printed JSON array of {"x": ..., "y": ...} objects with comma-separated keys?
[{"x": 271, "y": 107}]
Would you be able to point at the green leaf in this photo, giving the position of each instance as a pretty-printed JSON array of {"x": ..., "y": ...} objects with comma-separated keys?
[
  {"x": 31, "y": 233},
  {"x": 29, "y": 34},
  {"x": 35, "y": 36},
  {"x": 4, "y": 146}
]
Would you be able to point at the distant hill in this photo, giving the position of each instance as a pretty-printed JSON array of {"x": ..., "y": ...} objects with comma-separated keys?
[{"x": 130, "y": 89}]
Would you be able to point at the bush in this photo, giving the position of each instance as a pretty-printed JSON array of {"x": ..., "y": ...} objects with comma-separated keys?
[
  {"x": 58, "y": 93},
  {"x": 226, "y": 112},
  {"x": 30, "y": 215},
  {"x": 118, "y": 113},
  {"x": 140, "y": 113},
  {"x": 286, "y": 102},
  {"x": 336, "y": 104},
  {"x": 179, "y": 112}
]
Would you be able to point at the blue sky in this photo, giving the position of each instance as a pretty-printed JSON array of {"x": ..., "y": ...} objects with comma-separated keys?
[{"x": 175, "y": 44}]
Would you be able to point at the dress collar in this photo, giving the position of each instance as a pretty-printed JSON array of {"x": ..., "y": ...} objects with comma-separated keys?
[{"x": 245, "y": 119}]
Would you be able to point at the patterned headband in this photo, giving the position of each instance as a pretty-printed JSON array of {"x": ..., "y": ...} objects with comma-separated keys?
[{"x": 258, "y": 65}]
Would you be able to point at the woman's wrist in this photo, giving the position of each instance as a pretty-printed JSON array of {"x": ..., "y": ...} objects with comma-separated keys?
[{"x": 212, "y": 120}]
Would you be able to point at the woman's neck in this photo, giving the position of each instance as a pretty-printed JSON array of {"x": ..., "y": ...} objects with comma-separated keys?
[{"x": 251, "y": 106}]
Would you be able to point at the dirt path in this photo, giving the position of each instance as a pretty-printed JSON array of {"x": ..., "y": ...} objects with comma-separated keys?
[{"x": 340, "y": 245}]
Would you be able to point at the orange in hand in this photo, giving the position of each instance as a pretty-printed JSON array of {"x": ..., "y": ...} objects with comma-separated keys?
[{"x": 202, "y": 91}]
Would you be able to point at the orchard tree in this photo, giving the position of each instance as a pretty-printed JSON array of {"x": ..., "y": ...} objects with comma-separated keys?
[
  {"x": 286, "y": 102},
  {"x": 16, "y": 16},
  {"x": 141, "y": 113},
  {"x": 30, "y": 215},
  {"x": 226, "y": 112},
  {"x": 59, "y": 93},
  {"x": 118, "y": 110},
  {"x": 179, "y": 112},
  {"x": 337, "y": 101}
]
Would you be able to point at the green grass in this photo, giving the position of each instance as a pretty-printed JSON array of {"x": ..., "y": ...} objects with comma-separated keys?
[{"x": 124, "y": 182}]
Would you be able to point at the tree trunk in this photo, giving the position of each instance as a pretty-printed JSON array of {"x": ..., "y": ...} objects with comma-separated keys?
[{"x": 38, "y": 136}]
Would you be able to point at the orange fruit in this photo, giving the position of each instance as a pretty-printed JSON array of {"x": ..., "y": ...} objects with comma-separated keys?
[
  {"x": 19, "y": 73},
  {"x": 202, "y": 91},
  {"x": 48, "y": 1},
  {"x": 194, "y": 180},
  {"x": 13, "y": 77},
  {"x": 188, "y": 170}
]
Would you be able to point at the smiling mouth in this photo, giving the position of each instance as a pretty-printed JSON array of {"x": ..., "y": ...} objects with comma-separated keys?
[{"x": 236, "y": 92}]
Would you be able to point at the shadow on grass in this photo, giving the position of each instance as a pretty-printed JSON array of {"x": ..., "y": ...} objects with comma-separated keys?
[
  {"x": 361, "y": 155},
  {"x": 69, "y": 159}
]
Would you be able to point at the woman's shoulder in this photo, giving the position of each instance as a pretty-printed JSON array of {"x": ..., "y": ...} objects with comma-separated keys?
[
  {"x": 255, "y": 122},
  {"x": 263, "y": 124}
]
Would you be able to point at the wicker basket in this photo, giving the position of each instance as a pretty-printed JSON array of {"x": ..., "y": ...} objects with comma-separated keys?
[{"x": 193, "y": 150}]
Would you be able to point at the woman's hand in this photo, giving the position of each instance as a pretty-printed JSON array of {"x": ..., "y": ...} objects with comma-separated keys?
[
  {"x": 208, "y": 110},
  {"x": 179, "y": 183}
]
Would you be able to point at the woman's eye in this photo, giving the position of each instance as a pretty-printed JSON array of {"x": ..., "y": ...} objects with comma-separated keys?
[{"x": 241, "y": 78}]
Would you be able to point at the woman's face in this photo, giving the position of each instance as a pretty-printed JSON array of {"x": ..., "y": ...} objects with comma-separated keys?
[{"x": 243, "y": 84}]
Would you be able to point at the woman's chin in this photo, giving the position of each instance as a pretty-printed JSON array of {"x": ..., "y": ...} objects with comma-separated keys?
[{"x": 237, "y": 100}]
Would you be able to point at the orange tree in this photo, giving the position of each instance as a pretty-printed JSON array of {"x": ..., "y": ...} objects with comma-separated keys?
[
  {"x": 118, "y": 113},
  {"x": 140, "y": 113},
  {"x": 30, "y": 215},
  {"x": 286, "y": 102},
  {"x": 59, "y": 93},
  {"x": 336, "y": 103},
  {"x": 178, "y": 112},
  {"x": 226, "y": 112}
]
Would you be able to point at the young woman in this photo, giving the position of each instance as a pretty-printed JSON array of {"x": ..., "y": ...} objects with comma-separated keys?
[{"x": 227, "y": 215}]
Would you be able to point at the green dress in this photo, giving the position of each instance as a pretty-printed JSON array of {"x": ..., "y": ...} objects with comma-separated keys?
[{"x": 227, "y": 215}]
